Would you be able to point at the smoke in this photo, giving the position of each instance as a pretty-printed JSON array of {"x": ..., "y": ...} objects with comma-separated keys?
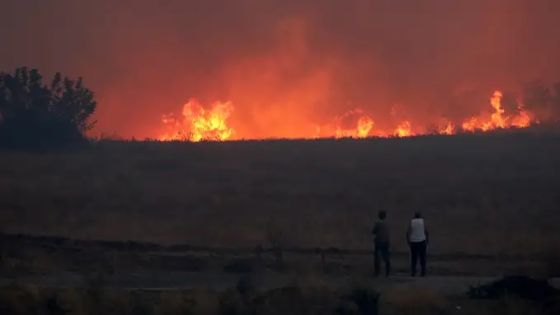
[
  {"x": 290, "y": 66},
  {"x": 544, "y": 101}
]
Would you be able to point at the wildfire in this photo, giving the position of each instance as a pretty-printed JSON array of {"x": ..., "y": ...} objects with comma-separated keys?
[
  {"x": 403, "y": 130},
  {"x": 523, "y": 118},
  {"x": 447, "y": 128},
  {"x": 198, "y": 124},
  {"x": 498, "y": 119},
  {"x": 470, "y": 124},
  {"x": 363, "y": 125}
]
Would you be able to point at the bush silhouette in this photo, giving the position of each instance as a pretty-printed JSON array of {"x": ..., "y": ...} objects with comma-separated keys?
[{"x": 33, "y": 114}]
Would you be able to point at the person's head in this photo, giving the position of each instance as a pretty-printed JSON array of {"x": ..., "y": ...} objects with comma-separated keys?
[
  {"x": 382, "y": 215},
  {"x": 417, "y": 214}
]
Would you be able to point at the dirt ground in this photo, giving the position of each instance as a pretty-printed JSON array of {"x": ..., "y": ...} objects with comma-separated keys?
[
  {"x": 73, "y": 272},
  {"x": 62, "y": 262}
]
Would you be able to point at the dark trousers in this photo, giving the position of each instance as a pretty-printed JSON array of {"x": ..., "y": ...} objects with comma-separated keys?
[
  {"x": 381, "y": 252},
  {"x": 418, "y": 252}
]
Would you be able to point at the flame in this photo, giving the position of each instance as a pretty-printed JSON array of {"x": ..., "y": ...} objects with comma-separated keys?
[
  {"x": 523, "y": 118},
  {"x": 363, "y": 125},
  {"x": 197, "y": 124},
  {"x": 470, "y": 124},
  {"x": 403, "y": 129},
  {"x": 498, "y": 119},
  {"x": 447, "y": 128}
]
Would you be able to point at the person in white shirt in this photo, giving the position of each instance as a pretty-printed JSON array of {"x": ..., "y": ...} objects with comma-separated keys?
[{"x": 417, "y": 237}]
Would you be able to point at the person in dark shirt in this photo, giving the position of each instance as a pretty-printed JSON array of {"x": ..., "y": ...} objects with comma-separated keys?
[{"x": 381, "y": 248}]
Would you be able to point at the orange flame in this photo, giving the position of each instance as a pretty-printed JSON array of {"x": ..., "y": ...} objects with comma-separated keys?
[
  {"x": 498, "y": 119},
  {"x": 523, "y": 118},
  {"x": 470, "y": 124},
  {"x": 364, "y": 125},
  {"x": 403, "y": 130},
  {"x": 447, "y": 128},
  {"x": 199, "y": 124}
]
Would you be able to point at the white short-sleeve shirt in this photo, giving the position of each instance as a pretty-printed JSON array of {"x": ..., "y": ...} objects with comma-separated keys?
[{"x": 417, "y": 230}]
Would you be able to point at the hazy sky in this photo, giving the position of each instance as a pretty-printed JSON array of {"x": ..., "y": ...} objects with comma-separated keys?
[{"x": 285, "y": 64}]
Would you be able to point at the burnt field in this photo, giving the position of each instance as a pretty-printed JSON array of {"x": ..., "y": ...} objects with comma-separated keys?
[{"x": 492, "y": 195}]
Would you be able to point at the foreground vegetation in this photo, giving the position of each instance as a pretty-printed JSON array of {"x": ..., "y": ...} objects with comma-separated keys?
[{"x": 244, "y": 299}]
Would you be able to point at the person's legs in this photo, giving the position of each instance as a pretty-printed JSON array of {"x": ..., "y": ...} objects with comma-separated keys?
[
  {"x": 422, "y": 254},
  {"x": 413, "y": 258},
  {"x": 386, "y": 255},
  {"x": 376, "y": 258}
]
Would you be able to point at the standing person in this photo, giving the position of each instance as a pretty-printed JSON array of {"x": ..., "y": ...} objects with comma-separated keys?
[
  {"x": 417, "y": 237},
  {"x": 381, "y": 249}
]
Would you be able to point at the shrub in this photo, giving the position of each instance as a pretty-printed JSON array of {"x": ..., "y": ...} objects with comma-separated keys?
[{"x": 33, "y": 114}]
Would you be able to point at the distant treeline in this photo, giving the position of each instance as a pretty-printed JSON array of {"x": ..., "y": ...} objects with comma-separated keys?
[{"x": 38, "y": 115}]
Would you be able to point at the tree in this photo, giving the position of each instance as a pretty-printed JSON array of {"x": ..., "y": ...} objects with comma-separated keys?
[{"x": 33, "y": 114}]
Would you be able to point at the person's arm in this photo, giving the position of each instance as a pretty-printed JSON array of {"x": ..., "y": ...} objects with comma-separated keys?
[
  {"x": 374, "y": 230},
  {"x": 426, "y": 233}
]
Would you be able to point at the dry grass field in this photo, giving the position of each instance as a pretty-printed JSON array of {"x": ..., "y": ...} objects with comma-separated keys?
[{"x": 493, "y": 194}]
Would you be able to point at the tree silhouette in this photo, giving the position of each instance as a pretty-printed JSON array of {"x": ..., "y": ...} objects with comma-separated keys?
[{"x": 33, "y": 114}]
